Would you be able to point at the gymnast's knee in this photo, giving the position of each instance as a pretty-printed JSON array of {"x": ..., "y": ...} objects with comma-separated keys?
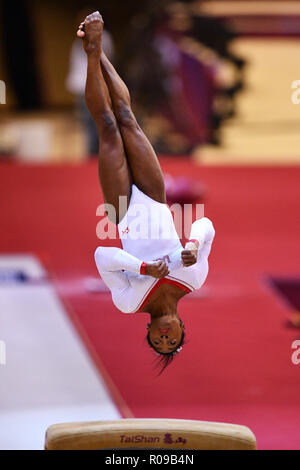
[
  {"x": 107, "y": 124},
  {"x": 125, "y": 116}
]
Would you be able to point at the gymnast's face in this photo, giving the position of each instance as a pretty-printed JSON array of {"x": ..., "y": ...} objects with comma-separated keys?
[{"x": 165, "y": 333}]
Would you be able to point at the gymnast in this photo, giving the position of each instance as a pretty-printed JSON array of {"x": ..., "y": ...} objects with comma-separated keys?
[{"x": 152, "y": 272}]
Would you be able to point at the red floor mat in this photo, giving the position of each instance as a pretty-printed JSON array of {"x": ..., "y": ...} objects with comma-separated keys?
[{"x": 236, "y": 365}]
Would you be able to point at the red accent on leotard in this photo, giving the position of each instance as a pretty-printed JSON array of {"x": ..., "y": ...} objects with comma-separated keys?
[{"x": 143, "y": 268}]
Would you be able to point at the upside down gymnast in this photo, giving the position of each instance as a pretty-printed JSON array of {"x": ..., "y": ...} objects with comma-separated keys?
[{"x": 152, "y": 273}]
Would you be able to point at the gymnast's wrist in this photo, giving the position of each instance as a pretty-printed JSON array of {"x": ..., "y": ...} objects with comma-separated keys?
[
  {"x": 143, "y": 268},
  {"x": 192, "y": 245}
]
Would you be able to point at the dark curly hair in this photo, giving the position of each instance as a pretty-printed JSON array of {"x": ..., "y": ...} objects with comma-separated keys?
[{"x": 166, "y": 358}]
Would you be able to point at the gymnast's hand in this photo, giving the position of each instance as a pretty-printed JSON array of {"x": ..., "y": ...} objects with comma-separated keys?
[
  {"x": 157, "y": 269},
  {"x": 189, "y": 254}
]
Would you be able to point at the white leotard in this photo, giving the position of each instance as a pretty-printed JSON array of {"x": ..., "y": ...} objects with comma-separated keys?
[{"x": 148, "y": 233}]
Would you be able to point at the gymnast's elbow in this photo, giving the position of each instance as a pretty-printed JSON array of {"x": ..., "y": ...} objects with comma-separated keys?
[
  {"x": 100, "y": 256},
  {"x": 210, "y": 227}
]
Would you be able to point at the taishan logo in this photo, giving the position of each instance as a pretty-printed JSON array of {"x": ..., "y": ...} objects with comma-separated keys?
[
  {"x": 140, "y": 438},
  {"x": 2, "y": 92}
]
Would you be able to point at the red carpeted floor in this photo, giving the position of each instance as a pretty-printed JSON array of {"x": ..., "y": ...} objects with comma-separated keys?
[{"x": 236, "y": 366}]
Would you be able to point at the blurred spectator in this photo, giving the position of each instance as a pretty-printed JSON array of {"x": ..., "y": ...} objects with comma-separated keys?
[
  {"x": 172, "y": 60},
  {"x": 190, "y": 89}
]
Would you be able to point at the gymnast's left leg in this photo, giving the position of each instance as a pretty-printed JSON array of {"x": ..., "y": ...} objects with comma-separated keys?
[{"x": 114, "y": 172}]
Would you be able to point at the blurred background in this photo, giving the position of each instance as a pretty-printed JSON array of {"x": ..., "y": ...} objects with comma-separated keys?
[
  {"x": 206, "y": 58},
  {"x": 211, "y": 85}
]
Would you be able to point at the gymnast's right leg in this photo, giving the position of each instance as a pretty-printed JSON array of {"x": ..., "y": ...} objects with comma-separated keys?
[
  {"x": 114, "y": 173},
  {"x": 142, "y": 160}
]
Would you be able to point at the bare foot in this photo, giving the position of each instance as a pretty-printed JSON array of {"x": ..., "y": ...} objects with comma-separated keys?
[{"x": 90, "y": 31}]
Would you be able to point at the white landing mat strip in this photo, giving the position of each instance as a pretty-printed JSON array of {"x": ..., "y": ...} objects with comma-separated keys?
[{"x": 48, "y": 376}]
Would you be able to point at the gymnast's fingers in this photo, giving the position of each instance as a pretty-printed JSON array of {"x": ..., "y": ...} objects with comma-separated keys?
[
  {"x": 188, "y": 260},
  {"x": 165, "y": 271},
  {"x": 162, "y": 269},
  {"x": 186, "y": 252}
]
